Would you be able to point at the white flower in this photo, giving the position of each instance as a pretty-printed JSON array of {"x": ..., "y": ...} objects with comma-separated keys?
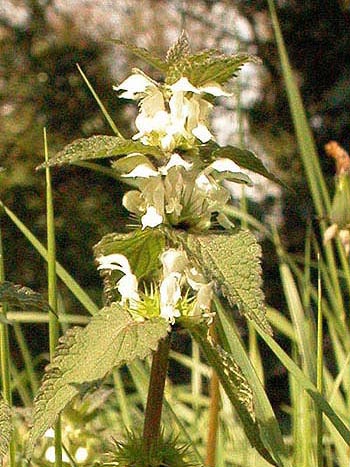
[
  {"x": 204, "y": 184},
  {"x": 142, "y": 171},
  {"x": 175, "y": 161},
  {"x": 49, "y": 433},
  {"x": 81, "y": 454},
  {"x": 152, "y": 218},
  {"x": 128, "y": 285},
  {"x": 114, "y": 262},
  {"x": 134, "y": 85},
  {"x": 214, "y": 89},
  {"x": 170, "y": 294},
  {"x": 50, "y": 455},
  {"x": 172, "y": 115},
  {"x": 202, "y": 133},
  {"x": 204, "y": 297},
  {"x": 225, "y": 165},
  {"x": 173, "y": 261},
  {"x": 184, "y": 85}
]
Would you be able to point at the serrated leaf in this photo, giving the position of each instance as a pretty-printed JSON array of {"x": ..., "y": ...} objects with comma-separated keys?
[
  {"x": 233, "y": 261},
  {"x": 244, "y": 158},
  {"x": 141, "y": 247},
  {"x": 219, "y": 68},
  {"x": 140, "y": 52},
  {"x": 24, "y": 298},
  {"x": 6, "y": 428},
  {"x": 179, "y": 50},
  {"x": 235, "y": 385},
  {"x": 99, "y": 147},
  {"x": 84, "y": 355}
]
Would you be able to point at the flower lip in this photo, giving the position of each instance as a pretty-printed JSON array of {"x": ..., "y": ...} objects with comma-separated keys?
[
  {"x": 202, "y": 133},
  {"x": 215, "y": 90},
  {"x": 114, "y": 262},
  {"x": 142, "y": 171},
  {"x": 175, "y": 161},
  {"x": 133, "y": 85},
  {"x": 225, "y": 165},
  {"x": 152, "y": 218},
  {"x": 183, "y": 85}
]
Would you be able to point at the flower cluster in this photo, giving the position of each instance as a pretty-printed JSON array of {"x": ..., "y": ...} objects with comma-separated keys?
[
  {"x": 170, "y": 116},
  {"x": 182, "y": 289}
]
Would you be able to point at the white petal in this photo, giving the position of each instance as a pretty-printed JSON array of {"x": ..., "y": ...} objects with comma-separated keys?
[
  {"x": 204, "y": 183},
  {"x": 184, "y": 85},
  {"x": 225, "y": 165},
  {"x": 50, "y": 454},
  {"x": 214, "y": 89},
  {"x": 134, "y": 84},
  {"x": 81, "y": 454},
  {"x": 143, "y": 171},
  {"x": 114, "y": 262},
  {"x": 176, "y": 161},
  {"x": 151, "y": 218},
  {"x": 127, "y": 287},
  {"x": 170, "y": 294},
  {"x": 202, "y": 133},
  {"x": 173, "y": 261},
  {"x": 49, "y": 433},
  {"x": 204, "y": 296}
]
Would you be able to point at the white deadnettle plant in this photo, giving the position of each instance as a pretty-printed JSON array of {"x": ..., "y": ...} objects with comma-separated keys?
[{"x": 162, "y": 273}]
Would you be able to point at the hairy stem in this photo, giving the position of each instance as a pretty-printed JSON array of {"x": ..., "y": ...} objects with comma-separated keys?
[
  {"x": 153, "y": 413},
  {"x": 213, "y": 423},
  {"x": 214, "y": 407}
]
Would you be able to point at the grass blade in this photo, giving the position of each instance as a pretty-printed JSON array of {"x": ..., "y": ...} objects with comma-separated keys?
[{"x": 72, "y": 285}]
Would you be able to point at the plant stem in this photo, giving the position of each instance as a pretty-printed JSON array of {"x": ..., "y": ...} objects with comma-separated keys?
[
  {"x": 153, "y": 413},
  {"x": 214, "y": 407},
  {"x": 52, "y": 291},
  {"x": 213, "y": 423},
  {"x": 5, "y": 358}
]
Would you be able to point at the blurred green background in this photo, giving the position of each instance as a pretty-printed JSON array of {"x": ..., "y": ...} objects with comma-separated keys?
[{"x": 42, "y": 41}]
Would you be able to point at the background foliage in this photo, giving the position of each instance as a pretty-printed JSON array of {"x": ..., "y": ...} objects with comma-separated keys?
[{"x": 41, "y": 42}]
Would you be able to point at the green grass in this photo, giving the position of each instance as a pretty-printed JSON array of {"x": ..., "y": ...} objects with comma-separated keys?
[{"x": 319, "y": 393}]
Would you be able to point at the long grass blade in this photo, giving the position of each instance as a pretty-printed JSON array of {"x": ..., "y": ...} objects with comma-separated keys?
[
  {"x": 72, "y": 285},
  {"x": 5, "y": 358},
  {"x": 99, "y": 102},
  {"x": 307, "y": 385},
  {"x": 52, "y": 291}
]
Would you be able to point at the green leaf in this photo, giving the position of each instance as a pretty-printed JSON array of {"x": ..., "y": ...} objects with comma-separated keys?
[
  {"x": 235, "y": 385},
  {"x": 142, "y": 249},
  {"x": 18, "y": 296},
  {"x": 270, "y": 431},
  {"x": 6, "y": 428},
  {"x": 99, "y": 147},
  {"x": 245, "y": 159},
  {"x": 205, "y": 68},
  {"x": 179, "y": 50},
  {"x": 85, "y": 355},
  {"x": 233, "y": 261},
  {"x": 140, "y": 52}
]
